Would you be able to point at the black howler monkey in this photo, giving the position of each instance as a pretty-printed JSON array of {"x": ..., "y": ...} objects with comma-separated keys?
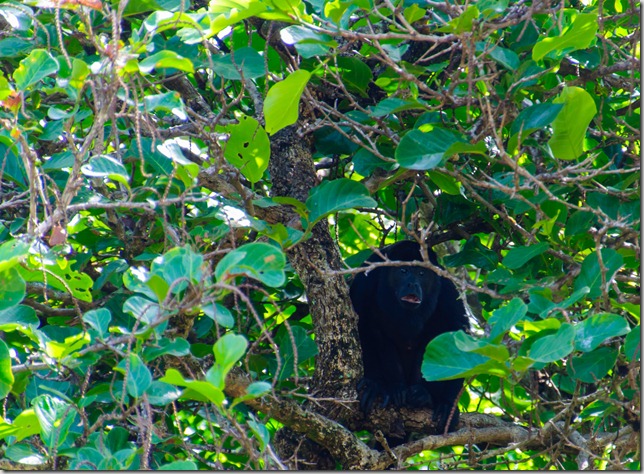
[{"x": 401, "y": 309}]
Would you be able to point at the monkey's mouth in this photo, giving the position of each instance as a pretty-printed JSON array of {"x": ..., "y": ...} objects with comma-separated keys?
[{"x": 413, "y": 299}]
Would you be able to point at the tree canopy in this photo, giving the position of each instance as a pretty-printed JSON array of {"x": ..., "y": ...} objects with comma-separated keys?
[{"x": 188, "y": 187}]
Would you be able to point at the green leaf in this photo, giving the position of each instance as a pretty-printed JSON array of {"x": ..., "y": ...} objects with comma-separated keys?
[
  {"x": 244, "y": 62},
  {"x": 593, "y": 366},
  {"x": 62, "y": 349},
  {"x": 466, "y": 343},
  {"x": 281, "y": 106},
  {"x": 579, "y": 36},
  {"x": 355, "y": 74},
  {"x": 164, "y": 346},
  {"x": 220, "y": 314},
  {"x": 161, "y": 393},
  {"x": 505, "y": 57},
  {"x": 6, "y": 375},
  {"x": 20, "y": 316},
  {"x": 99, "y": 320},
  {"x": 519, "y": 256},
  {"x": 26, "y": 424},
  {"x": 464, "y": 23},
  {"x": 391, "y": 105},
  {"x": 38, "y": 65},
  {"x": 166, "y": 59},
  {"x": 442, "y": 362},
  {"x": 308, "y": 43},
  {"x": 445, "y": 182},
  {"x": 25, "y": 454},
  {"x": 258, "y": 389},
  {"x": 142, "y": 309},
  {"x": 425, "y": 150},
  {"x": 168, "y": 102},
  {"x": 138, "y": 375},
  {"x": 104, "y": 166},
  {"x": 195, "y": 389},
  {"x": 248, "y": 148},
  {"x": 337, "y": 195},
  {"x": 56, "y": 417},
  {"x": 504, "y": 318},
  {"x": 178, "y": 267},
  {"x": 233, "y": 11},
  {"x": 543, "y": 305},
  {"x": 184, "y": 465},
  {"x": 13, "y": 290},
  {"x": 258, "y": 260},
  {"x": 596, "y": 329},
  {"x": 473, "y": 253},
  {"x": 297, "y": 342},
  {"x": 569, "y": 128},
  {"x": 554, "y": 347},
  {"x": 633, "y": 344},
  {"x": 12, "y": 253},
  {"x": 590, "y": 274},
  {"x": 579, "y": 223},
  {"x": 531, "y": 119},
  {"x": 535, "y": 117},
  {"x": 228, "y": 350}
]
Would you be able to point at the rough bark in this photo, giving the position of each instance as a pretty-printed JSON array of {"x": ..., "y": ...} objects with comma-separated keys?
[{"x": 338, "y": 364}]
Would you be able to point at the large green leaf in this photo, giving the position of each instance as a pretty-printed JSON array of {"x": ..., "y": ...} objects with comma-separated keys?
[
  {"x": 579, "y": 36},
  {"x": 20, "y": 316},
  {"x": 425, "y": 150},
  {"x": 138, "y": 375},
  {"x": 166, "y": 59},
  {"x": 195, "y": 389},
  {"x": 228, "y": 350},
  {"x": 296, "y": 343},
  {"x": 104, "y": 166},
  {"x": 167, "y": 102},
  {"x": 56, "y": 417},
  {"x": 178, "y": 267},
  {"x": 248, "y": 148},
  {"x": 281, "y": 106},
  {"x": 38, "y": 65},
  {"x": 60, "y": 274},
  {"x": 467, "y": 343},
  {"x": 443, "y": 361},
  {"x": 337, "y": 195},
  {"x": 530, "y": 119},
  {"x": 243, "y": 62},
  {"x": 11, "y": 253},
  {"x": 596, "y": 329},
  {"x": 26, "y": 424},
  {"x": 99, "y": 320},
  {"x": 633, "y": 344},
  {"x": 6, "y": 375},
  {"x": 519, "y": 256},
  {"x": 555, "y": 346},
  {"x": 258, "y": 260},
  {"x": 505, "y": 317},
  {"x": 591, "y": 271},
  {"x": 13, "y": 290},
  {"x": 308, "y": 43},
  {"x": 593, "y": 366},
  {"x": 569, "y": 128}
]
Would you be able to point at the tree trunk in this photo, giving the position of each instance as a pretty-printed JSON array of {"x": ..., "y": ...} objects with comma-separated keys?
[{"x": 316, "y": 261}]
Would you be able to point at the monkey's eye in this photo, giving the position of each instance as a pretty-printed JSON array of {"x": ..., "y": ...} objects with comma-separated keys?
[
  {"x": 403, "y": 270},
  {"x": 421, "y": 273}
]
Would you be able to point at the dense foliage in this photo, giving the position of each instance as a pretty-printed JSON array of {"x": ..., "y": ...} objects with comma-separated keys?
[{"x": 153, "y": 309}]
